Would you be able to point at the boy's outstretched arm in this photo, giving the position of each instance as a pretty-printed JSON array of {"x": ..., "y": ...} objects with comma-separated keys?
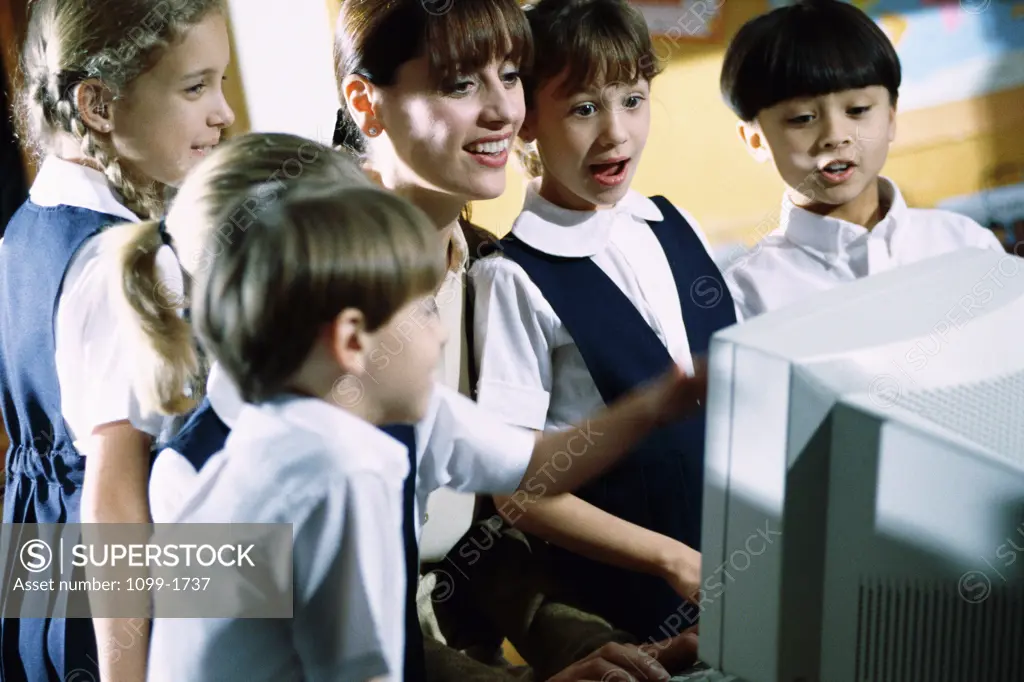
[
  {"x": 514, "y": 345},
  {"x": 599, "y": 442},
  {"x": 578, "y": 526}
]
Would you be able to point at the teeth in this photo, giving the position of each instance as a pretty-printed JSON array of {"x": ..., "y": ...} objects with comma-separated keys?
[
  {"x": 837, "y": 167},
  {"x": 489, "y": 147}
]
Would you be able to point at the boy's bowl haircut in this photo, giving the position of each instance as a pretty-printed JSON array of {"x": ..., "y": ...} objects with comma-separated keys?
[{"x": 811, "y": 48}]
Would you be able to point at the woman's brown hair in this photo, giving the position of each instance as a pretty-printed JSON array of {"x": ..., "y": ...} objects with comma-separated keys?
[{"x": 373, "y": 38}]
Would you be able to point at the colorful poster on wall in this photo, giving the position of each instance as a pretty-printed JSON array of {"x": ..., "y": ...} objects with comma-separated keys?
[
  {"x": 683, "y": 19},
  {"x": 951, "y": 50}
]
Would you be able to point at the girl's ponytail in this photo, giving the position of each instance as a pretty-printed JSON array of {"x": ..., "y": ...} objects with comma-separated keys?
[
  {"x": 169, "y": 368},
  {"x": 150, "y": 306}
]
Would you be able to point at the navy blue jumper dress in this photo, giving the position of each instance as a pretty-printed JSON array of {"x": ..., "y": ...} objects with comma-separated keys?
[
  {"x": 44, "y": 471},
  {"x": 660, "y": 484}
]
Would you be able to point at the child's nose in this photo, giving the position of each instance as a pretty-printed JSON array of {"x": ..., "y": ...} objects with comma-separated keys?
[
  {"x": 223, "y": 116},
  {"x": 837, "y": 132},
  {"x": 615, "y": 128}
]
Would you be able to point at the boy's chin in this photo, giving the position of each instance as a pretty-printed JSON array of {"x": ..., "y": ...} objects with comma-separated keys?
[
  {"x": 411, "y": 412},
  {"x": 839, "y": 196}
]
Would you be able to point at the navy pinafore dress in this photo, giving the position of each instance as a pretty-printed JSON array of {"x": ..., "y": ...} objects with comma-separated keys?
[
  {"x": 44, "y": 471},
  {"x": 660, "y": 484}
]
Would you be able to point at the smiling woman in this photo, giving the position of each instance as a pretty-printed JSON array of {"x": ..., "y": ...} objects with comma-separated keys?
[{"x": 431, "y": 99}]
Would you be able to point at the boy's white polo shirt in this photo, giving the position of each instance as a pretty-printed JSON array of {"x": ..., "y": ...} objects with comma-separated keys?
[
  {"x": 458, "y": 445},
  {"x": 339, "y": 481},
  {"x": 809, "y": 252},
  {"x": 173, "y": 477},
  {"x": 530, "y": 370},
  {"x": 93, "y": 350}
]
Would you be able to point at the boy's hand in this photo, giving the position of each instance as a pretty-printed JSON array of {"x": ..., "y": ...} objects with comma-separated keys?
[
  {"x": 615, "y": 663},
  {"x": 681, "y": 570},
  {"x": 676, "y": 395},
  {"x": 676, "y": 654}
]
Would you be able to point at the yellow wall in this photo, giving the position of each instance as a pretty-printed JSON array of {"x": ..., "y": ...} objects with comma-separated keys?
[
  {"x": 235, "y": 96},
  {"x": 332, "y": 9},
  {"x": 694, "y": 157}
]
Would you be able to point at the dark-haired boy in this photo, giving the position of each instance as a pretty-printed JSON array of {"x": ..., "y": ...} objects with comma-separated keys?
[{"x": 815, "y": 86}]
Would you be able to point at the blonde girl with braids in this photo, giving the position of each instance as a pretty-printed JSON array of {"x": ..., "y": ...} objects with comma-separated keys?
[{"x": 119, "y": 99}]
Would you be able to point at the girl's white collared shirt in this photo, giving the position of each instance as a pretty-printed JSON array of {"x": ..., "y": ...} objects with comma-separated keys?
[
  {"x": 93, "y": 351},
  {"x": 530, "y": 371}
]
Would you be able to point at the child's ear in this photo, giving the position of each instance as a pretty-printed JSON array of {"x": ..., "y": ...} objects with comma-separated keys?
[
  {"x": 752, "y": 137},
  {"x": 94, "y": 101},
  {"x": 892, "y": 123},
  {"x": 361, "y": 99},
  {"x": 347, "y": 340},
  {"x": 528, "y": 133}
]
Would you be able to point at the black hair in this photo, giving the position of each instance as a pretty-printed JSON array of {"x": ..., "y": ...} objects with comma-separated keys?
[{"x": 810, "y": 48}]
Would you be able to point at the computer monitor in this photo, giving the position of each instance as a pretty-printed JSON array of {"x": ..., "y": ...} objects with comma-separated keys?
[{"x": 864, "y": 493}]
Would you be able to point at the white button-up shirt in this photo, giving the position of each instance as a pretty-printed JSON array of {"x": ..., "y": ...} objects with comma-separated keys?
[
  {"x": 530, "y": 371},
  {"x": 448, "y": 513},
  {"x": 173, "y": 477},
  {"x": 338, "y": 480},
  {"x": 459, "y": 446},
  {"x": 809, "y": 252}
]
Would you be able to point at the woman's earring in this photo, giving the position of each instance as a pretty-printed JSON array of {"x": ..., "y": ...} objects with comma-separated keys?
[{"x": 372, "y": 131}]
